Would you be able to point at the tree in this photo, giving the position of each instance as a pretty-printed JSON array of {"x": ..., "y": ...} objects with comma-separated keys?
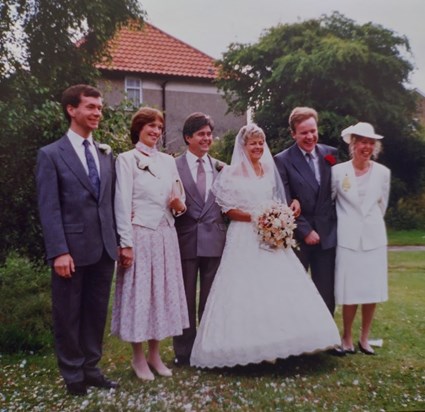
[
  {"x": 40, "y": 36},
  {"x": 347, "y": 72},
  {"x": 45, "y": 46}
]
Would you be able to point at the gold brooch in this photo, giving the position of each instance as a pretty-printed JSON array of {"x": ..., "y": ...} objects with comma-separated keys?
[{"x": 346, "y": 184}]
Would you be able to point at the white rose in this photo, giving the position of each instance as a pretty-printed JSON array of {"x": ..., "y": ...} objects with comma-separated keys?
[
  {"x": 277, "y": 223},
  {"x": 105, "y": 148}
]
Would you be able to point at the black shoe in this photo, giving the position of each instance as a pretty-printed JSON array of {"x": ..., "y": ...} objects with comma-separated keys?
[
  {"x": 364, "y": 350},
  {"x": 350, "y": 351},
  {"x": 101, "y": 382},
  {"x": 181, "y": 361},
  {"x": 337, "y": 351},
  {"x": 76, "y": 388}
]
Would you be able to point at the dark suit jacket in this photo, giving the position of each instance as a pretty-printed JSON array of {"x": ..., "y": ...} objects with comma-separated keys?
[
  {"x": 73, "y": 220},
  {"x": 317, "y": 207},
  {"x": 201, "y": 229}
]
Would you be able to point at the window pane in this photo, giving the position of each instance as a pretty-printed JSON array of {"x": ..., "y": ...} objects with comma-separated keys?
[
  {"x": 133, "y": 89},
  {"x": 132, "y": 83},
  {"x": 134, "y": 96}
]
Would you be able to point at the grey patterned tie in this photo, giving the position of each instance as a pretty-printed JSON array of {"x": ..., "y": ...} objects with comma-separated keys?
[
  {"x": 201, "y": 179},
  {"x": 310, "y": 162},
  {"x": 91, "y": 164}
]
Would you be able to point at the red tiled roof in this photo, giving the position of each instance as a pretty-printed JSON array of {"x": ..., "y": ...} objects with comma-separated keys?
[{"x": 150, "y": 50}]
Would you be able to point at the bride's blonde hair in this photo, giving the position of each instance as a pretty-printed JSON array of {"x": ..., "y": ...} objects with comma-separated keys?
[{"x": 250, "y": 130}]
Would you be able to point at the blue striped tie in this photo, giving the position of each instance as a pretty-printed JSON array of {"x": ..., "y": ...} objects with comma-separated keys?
[{"x": 91, "y": 164}]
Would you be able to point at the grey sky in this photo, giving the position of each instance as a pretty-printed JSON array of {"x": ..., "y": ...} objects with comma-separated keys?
[{"x": 211, "y": 26}]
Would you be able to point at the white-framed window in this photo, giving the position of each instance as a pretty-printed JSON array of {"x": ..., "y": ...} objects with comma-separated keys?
[{"x": 133, "y": 90}]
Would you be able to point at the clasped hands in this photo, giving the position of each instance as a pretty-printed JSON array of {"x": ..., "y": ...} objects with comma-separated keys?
[{"x": 177, "y": 206}]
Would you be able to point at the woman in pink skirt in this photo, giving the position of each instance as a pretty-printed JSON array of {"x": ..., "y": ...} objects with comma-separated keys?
[{"x": 150, "y": 302}]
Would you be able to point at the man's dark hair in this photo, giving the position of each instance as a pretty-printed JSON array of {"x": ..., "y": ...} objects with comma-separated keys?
[
  {"x": 194, "y": 122},
  {"x": 72, "y": 96}
]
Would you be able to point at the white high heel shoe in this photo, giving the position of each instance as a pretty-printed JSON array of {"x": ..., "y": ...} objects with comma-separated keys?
[
  {"x": 143, "y": 375},
  {"x": 162, "y": 371}
]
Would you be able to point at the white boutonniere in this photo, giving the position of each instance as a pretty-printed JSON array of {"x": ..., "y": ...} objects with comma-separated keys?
[
  {"x": 105, "y": 148},
  {"x": 144, "y": 163}
]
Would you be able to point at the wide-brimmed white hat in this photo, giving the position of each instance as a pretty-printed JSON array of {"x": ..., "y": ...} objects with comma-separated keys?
[{"x": 360, "y": 129}]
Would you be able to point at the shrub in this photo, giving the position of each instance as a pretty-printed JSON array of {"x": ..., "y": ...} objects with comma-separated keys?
[
  {"x": 25, "y": 305},
  {"x": 222, "y": 148},
  {"x": 407, "y": 213},
  {"x": 24, "y": 132}
]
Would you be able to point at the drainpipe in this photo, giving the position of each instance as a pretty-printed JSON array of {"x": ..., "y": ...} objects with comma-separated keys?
[{"x": 164, "y": 136}]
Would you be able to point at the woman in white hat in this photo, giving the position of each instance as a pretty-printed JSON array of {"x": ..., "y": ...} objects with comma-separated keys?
[{"x": 361, "y": 190}]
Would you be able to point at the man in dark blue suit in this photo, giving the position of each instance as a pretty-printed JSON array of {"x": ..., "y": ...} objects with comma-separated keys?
[
  {"x": 305, "y": 169},
  {"x": 75, "y": 186}
]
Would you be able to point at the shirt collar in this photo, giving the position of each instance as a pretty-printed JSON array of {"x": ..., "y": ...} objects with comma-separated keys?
[
  {"x": 77, "y": 139},
  {"x": 313, "y": 153},
  {"x": 193, "y": 158}
]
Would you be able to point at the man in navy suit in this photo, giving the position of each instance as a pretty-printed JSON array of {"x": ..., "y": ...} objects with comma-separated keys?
[
  {"x": 75, "y": 183},
  {"x": 305, "y": 169}
]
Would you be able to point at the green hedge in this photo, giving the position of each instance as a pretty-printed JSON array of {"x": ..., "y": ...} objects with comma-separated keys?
[{"x": 25, "y": 305}]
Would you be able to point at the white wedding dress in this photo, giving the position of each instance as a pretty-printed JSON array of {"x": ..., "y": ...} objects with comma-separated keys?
[{"x": 262, "y": 304}]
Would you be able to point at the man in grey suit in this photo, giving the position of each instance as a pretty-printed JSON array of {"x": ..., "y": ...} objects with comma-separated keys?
[
  {"x": 305, "y": 169},
  {"x": 75, "y": 184},
  {"x": 201, "y": 229}
]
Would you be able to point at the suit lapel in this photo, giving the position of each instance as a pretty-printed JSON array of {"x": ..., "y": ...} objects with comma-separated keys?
[
  {"x": 188, "y": 182},
  {"x": 303, "y": 168},
  {"x": 353, "y": 190},
  {"x": 71, "y": 159},
  {"x": 370, "y": 194},
  {"x": 210, "y": 198},
  {"x": 103, "y": 166},
  {"x": 325, "y": 173}
]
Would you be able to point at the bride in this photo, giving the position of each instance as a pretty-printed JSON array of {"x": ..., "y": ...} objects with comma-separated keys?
[{"x": 262, "y": 304}]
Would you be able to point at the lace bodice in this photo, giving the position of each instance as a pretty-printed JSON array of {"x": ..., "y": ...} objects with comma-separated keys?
[{"x": 240, "y": 192}]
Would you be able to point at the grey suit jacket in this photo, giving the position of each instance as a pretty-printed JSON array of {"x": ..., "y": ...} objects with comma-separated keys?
[
  {"x": 317, "y": 207},
  {"x": 201, "y": 229},
  {"x": 73, "y": 220}
]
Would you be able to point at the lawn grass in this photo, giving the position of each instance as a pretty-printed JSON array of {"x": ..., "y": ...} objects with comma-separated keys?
[
  {"x": 406, "y": 237},
  {"x": 394, "y": 380}
]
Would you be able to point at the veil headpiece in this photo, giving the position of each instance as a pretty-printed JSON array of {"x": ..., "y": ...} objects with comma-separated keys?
[
  {"x": 242, "y": 163},
  {"x": 241, "y": 167}
]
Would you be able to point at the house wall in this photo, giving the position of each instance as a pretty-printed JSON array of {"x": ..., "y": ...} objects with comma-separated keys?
[{"x": 181, "y": 97}]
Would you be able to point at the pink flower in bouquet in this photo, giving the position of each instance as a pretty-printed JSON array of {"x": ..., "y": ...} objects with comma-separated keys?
[{"x": 275, "y": 227}]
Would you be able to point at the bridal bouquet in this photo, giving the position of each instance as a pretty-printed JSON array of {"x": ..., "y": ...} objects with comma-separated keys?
[{"x": 275, "y": 227}]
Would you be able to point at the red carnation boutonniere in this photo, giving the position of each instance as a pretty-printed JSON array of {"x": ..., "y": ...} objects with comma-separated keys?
[
  {"x": 330, "y": 159},
  {"x": 219, "y": 165}
]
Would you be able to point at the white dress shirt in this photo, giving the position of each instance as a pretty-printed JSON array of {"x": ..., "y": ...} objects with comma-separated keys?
[
  {"x": 193, "y": 167},
  {"x": 77, "y": 143}
]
